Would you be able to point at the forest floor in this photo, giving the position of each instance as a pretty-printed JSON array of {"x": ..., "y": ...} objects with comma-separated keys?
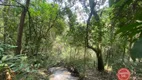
[
  {"x": 95, "y": 75},
  {"x": 90, "y": 75}
]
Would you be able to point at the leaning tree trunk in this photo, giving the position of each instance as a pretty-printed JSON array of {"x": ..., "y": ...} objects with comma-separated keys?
[
  {"x": 98, "y": 49},
  {"x": 99, "y": 57},
  {"x": 21, "y": 26}
]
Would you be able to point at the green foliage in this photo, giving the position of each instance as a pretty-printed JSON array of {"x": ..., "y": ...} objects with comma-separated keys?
[
  {"x": 4, "y": 47},
  {"x": 47, "y": 23},
  {"x": 17, "y": 63},
  {"x": 136, "y": 51},
  {"x": 128, "y": 18},
  {"x": 53, "y": 35},
  {"x": 131, "y": 29},
  {"x": 130, "y": 25},
  {"x": 76, "y": 36},
  {"x": 44, "y": 10}
]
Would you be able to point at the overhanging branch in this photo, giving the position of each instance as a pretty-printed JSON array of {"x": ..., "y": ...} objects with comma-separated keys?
[{"x": 10, "y": 5}]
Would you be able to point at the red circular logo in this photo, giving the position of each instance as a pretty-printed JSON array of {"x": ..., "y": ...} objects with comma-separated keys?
[{"x": 123, "y": 74}]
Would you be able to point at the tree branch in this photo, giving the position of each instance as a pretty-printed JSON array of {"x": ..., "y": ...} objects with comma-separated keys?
[
  {"x": 93, "y": 12},
  {"x": 9, "y": 5},
  {"x": 20, "y": 4},
  {"x": 53, "y": 22}
]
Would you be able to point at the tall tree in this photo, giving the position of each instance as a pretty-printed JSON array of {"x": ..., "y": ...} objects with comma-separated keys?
[
  {"x": 97, "y": 50},
  {"x": 21, "y": 26}
]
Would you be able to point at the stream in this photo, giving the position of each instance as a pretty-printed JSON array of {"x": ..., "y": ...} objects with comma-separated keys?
[{"x": 59, "y": 73}]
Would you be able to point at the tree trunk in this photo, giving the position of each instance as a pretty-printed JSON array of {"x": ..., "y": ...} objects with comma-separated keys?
[
  {"x": 99, "y": 58},
  {"x": 5, "y": 19},
  {"x": 100, "y": 61},
  {"x": 96, "y": 50},
  {"x": 21, "y": 26}
]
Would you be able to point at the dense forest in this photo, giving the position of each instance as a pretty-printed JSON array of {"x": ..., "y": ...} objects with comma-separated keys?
[{"x": 78, "y": 39}]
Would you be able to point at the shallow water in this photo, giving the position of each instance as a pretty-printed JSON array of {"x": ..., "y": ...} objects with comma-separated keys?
[{"x": 59, "y": 73}]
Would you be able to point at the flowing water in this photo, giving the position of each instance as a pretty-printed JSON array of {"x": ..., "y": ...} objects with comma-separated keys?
[{"x": 59, "y": 73}]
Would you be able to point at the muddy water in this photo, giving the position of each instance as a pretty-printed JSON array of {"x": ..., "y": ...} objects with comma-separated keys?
[{"x": 59, "y": 73}]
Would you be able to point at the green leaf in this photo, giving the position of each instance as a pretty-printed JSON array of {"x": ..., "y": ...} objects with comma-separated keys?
[
  {"x": 136, "y": 51},
  {"x": 1, "y": 49},
  {"x": 126, "y": 30}
]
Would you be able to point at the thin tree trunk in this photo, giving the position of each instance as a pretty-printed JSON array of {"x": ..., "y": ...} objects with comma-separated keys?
[
  {"x": 21, "y": 26},
  {"x": 124, "y": 50},
  {"x": 5, "y": 19}
]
